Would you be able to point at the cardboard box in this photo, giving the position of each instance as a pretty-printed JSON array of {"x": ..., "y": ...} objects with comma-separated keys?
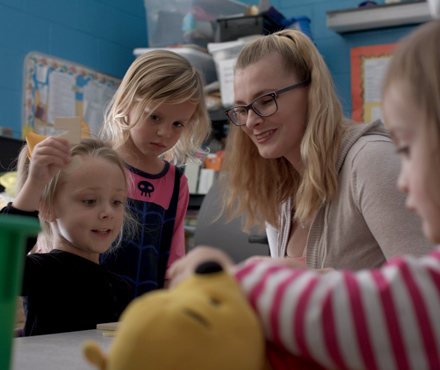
[
  {"x": 207, "y": 179},
  {"x": 230, "y": 29},
  {"x": 192, "y": 171},
  {"x": 213, "y": 162}
]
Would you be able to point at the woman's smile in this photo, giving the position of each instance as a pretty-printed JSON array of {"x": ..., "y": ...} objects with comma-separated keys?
[{"x": 265, "y": 136}]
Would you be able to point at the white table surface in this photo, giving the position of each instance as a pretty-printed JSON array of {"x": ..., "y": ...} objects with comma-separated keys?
[{"x": 55, "y": 351}]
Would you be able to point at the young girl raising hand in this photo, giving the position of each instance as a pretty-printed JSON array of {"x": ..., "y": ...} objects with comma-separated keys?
[
  {"x": 80, "y": 194},
  {"x": 157, "y": 119}
]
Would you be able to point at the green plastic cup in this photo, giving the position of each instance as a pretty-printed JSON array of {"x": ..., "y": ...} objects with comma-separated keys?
[{"x": 14, "y": 231}]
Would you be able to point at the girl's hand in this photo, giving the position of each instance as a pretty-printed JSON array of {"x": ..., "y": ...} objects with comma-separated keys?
[
  {"x": 48, "y": 157},
  {"x": 185, "y": 266}
]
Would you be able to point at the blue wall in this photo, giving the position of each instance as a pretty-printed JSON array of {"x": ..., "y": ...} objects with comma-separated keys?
[
  {"x": 334, "y": 47},
  {"x": 102, "y": 34}
]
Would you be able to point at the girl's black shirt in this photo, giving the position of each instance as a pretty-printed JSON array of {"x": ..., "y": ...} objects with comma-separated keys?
[{"x": 64, "y": 292}]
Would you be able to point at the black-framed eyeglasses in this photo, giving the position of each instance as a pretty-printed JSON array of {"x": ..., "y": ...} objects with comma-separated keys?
[{"x": 264, "y": 106}]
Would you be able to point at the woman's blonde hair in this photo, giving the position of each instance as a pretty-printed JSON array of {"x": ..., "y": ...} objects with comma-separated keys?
[
  {"x": 415, "y": 69},
  {"x": 157, "y": 77},
  {"x": 257, "y": 186},
  {"x": 88, "y": 148}
]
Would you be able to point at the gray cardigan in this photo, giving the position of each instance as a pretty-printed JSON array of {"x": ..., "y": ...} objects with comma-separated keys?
[{"x": 366, "y": 223}]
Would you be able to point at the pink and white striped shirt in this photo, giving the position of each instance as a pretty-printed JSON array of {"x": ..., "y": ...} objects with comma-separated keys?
[{"x": 386, "y": 318}]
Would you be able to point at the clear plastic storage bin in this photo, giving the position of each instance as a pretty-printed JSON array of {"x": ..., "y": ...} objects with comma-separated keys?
[
  {"x": 224, "y": 55},
  {"x": 175, "y": 22}
]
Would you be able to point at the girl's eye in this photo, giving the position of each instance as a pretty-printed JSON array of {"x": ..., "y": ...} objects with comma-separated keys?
[
  {"x": 178, "y": 124},
  {"x": 154, "y": 117},
  {"x": 118, "y": 202},
  {"x": 89, "y": 201},
  {"x": 403, "y": 150}
]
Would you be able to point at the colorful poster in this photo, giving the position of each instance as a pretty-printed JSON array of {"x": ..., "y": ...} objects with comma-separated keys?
[
  {"x": 368, "y": 65},
  {"x": 55, "y": 88}
]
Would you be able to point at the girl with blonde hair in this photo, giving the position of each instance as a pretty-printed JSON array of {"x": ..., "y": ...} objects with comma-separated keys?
[
  {"x": 157, "y": 120},
  {"x": 79, "y": 195}
]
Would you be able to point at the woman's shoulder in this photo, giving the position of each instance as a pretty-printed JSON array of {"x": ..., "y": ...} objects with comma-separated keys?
[
  {"x": 358, "y": 137},
  {"x": 355, "y": 131},
  {"x": 372, "y": 159},
  {"x": 372, "y": 140},
  {"x": 371, "y": 148}
]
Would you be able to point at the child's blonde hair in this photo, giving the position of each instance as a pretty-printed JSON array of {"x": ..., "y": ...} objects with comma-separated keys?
[
  {"x": 415, "y": 68},
  {"x": 88, "y": 148},
  {"x": 157, "y": 77}
]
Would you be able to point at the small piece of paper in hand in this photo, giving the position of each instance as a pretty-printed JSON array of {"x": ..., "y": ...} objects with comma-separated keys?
[
  {"x": 73, "y": 127},
  {"x": 108, "y": 326},
  {"x": 109, "y": 333},
  {"x": 74, "y": 164}
]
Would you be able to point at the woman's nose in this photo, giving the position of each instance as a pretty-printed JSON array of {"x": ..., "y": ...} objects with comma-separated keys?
[{"x": 253, "y": 119}]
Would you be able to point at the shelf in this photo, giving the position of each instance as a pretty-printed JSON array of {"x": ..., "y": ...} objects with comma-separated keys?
[
  {"x": 195, "y": 201},
  {"x": 379, "y": 16},
  {"x": 218, "y": 115}
]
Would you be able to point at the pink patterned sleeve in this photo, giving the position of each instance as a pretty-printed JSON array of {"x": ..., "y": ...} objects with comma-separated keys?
[{"x": 387, "y": 318}]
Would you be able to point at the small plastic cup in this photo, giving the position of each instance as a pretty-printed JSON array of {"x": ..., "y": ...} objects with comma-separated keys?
[{"x": 14, "y": 231}]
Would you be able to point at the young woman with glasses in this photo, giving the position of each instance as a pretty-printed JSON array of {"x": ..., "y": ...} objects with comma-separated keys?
[{"x": 323, "y": 184}]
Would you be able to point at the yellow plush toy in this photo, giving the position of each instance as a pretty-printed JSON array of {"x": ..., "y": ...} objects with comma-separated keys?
[{"x": 203, "y": 323}]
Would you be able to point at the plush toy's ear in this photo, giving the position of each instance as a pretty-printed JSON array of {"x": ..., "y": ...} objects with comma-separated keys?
[
  {"x": 208, "y": 267},
  {"x": 94, "y": 355}
]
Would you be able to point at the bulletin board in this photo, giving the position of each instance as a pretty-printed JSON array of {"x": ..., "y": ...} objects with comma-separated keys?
[
  {"x": 54, "y": 87},
  {"x": 368, "y": 66}
]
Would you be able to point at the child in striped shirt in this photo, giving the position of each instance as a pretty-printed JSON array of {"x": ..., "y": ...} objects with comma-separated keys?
[{"x": 387, "y": 318}]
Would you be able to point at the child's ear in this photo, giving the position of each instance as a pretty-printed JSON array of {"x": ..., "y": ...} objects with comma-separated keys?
[{"x": 46, "y": 214}]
